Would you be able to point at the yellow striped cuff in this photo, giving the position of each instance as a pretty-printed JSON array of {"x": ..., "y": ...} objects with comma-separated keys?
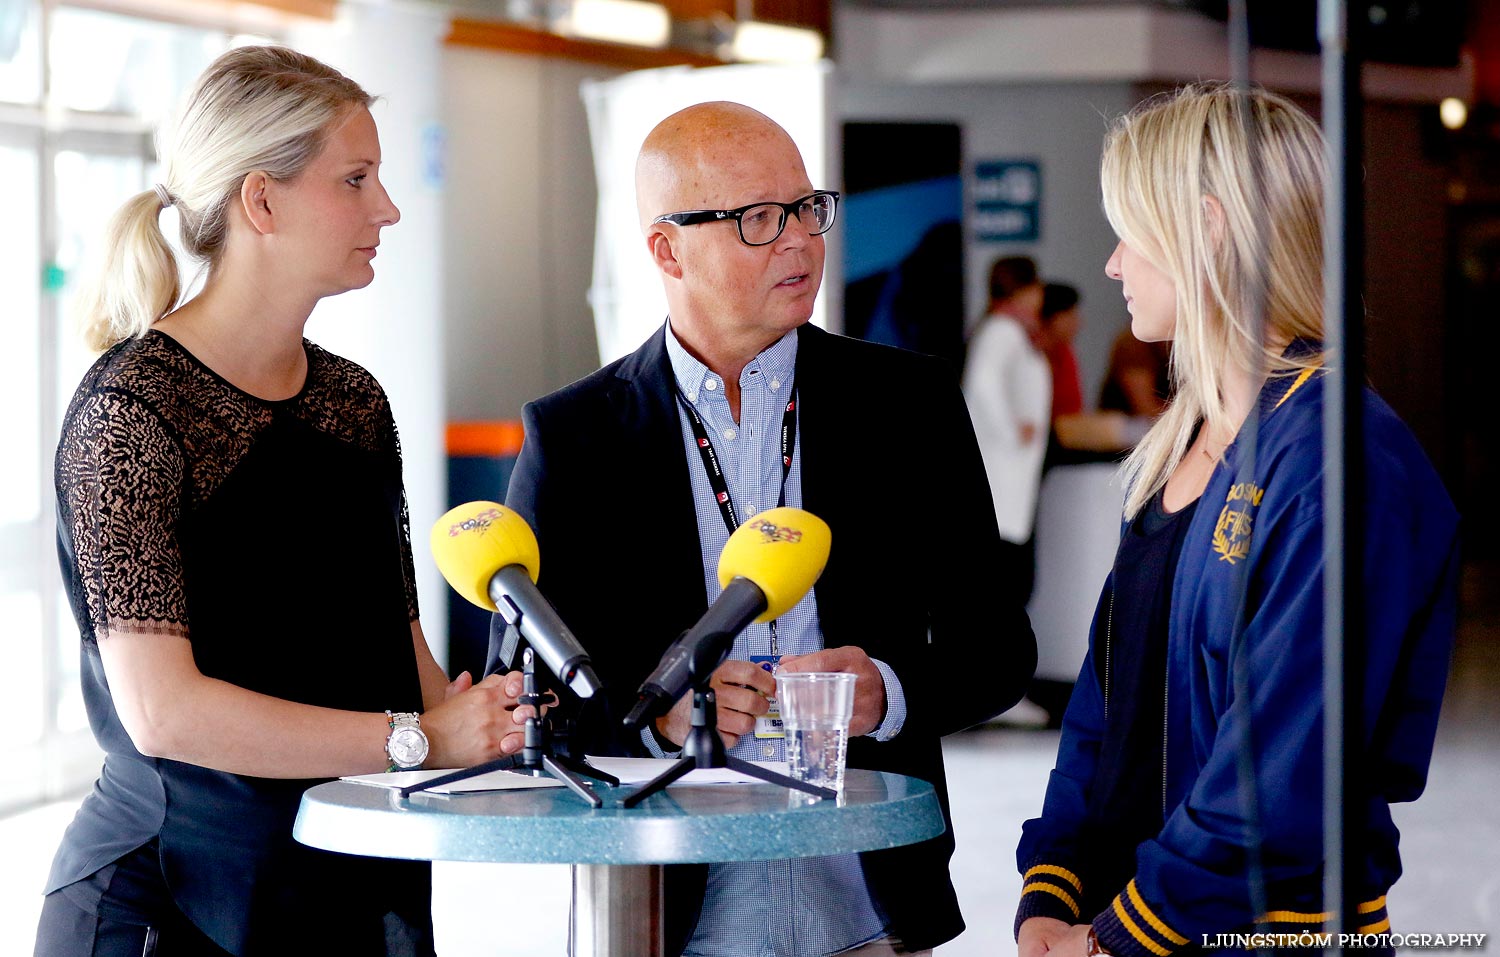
[
  {"x": 1370, "y": 907},
  {"x": 1055, "y": 871},
  {"x": 1141, "y": 936},
  {"x": 1294, "y": 917},
  {"x": 1373, "y": 910},
  {"x": 1157, "y": 924},
  {"x": 1055, "y": 891},
  {"x": 1130, "y": 928}
]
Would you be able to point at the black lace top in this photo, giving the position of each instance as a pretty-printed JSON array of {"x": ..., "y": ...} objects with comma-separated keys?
[
  {"x": 274, "y": 537},
  {"x": 153, "y": 435}
]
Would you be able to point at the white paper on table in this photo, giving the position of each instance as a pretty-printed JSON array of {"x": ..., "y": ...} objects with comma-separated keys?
[
  {"x": 641, "y": 770},
  {"x": 489, "y": 781}
]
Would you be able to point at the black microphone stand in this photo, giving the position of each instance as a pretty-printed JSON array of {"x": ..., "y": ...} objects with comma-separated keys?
[
  {"x": 536, "y": 756},
  {"x": 703, "y": 747}
]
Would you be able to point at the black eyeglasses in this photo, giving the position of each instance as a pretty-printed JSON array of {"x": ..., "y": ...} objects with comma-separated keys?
[{"x": 761, "y": 223}]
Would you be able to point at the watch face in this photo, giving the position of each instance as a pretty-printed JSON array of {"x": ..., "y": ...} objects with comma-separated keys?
[{"x": 408, "y": 747}]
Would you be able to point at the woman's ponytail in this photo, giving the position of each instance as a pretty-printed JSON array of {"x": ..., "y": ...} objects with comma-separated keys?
[
  {"x": 256, "y": 108},
  {"x": 136, "y": 282}
]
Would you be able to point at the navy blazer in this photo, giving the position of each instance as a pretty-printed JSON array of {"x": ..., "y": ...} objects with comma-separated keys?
[{"x": 890, "y": 462}]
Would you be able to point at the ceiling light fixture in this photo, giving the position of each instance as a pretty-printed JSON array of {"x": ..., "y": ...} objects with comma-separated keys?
[
  {"x": 618, "y": 21},
  {"x": 1453, "y": 112},
  {"x": 761, "y": 42}
]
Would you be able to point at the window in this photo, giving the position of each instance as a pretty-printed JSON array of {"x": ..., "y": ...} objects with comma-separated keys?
[{"x": 74, "y": 144}]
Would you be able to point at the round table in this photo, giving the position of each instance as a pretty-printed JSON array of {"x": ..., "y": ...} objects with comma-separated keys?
[{"x": 618, "y": 852}]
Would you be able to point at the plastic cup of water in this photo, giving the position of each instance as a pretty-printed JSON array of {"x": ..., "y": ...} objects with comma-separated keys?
[{"x": 816, "y": 707}]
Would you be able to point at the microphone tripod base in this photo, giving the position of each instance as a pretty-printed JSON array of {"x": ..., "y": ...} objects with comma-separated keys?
[
  {"x": 705, "y": 749},
  {"x": 563, "y": 769},
  {"x": 536, "y": 756}
]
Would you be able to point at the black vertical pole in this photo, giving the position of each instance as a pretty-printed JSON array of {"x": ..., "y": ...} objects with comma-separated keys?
[
  {"x": 1248, "y": 444},
  {"x": 1343, "y": 440}
]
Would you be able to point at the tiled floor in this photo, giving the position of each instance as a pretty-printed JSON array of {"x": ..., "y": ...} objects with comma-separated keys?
[{"x": 1450, "y": 838}]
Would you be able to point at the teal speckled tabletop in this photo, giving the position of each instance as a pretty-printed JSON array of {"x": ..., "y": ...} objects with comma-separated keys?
[{"x": 685, "y": 824}]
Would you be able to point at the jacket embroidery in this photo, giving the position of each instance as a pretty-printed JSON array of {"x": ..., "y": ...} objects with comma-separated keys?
[{"x": 1232, "y": 531}]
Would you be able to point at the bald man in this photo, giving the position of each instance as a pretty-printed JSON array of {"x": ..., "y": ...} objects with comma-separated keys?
[{"x": 615, "y": 479}]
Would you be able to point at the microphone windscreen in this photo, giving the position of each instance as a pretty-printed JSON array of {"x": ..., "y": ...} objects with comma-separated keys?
[
  {"x": 782, "y": 551},
  {"x": 475, "y": 540}
]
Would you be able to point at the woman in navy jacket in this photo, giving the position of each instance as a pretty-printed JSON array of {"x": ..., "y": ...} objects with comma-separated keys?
[{"x": 1187, "y": 797}]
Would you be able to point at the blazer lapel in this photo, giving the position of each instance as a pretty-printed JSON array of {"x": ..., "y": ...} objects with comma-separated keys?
[
  {"x": 819, "y": 450},
  {"x": 649, "y": 418},
  {"x": 811, "y": 415}
]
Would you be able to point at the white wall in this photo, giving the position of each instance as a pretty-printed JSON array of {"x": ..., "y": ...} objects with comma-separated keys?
[
  {"x": 627, "y": 294},
  {"x": 520, "y": 207},
  {"x": 1062, "y": 126},
  {"x": 394, "y": 327}
]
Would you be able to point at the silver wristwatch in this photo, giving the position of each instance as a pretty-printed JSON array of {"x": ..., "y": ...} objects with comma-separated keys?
[{"x": 406, "y": 745}]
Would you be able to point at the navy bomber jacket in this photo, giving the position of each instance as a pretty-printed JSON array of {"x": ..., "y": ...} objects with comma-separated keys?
[{"x": 1265, "y": 522}]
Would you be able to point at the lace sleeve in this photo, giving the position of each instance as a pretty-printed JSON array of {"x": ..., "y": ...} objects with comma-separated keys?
[{"x": 119, "y": 474}]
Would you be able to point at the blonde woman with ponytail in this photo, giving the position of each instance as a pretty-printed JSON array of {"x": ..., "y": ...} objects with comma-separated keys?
[
  {"x": 1187, "y": 796},
  {"x": 233, "y": 534}
]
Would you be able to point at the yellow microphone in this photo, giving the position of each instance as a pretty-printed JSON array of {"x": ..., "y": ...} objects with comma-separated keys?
[
  {"x": 766, "y": 567},
  {"x": 781, "y": 551},
  {"x": 489, "y": 555}
]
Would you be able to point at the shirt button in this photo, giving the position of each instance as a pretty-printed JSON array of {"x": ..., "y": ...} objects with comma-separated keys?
[
  {"x": 775, "y": 384},
  {"x": 729, "y": 433},
  {"x": 692, "y": 397},
  {"x": 749, "y": 510},
  {"x": 767, "y": 750},
  {"x": 710, "y": 384}
]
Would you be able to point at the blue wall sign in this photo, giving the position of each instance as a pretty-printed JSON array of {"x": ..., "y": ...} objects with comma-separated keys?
[{"x": 1007, "y": 201}]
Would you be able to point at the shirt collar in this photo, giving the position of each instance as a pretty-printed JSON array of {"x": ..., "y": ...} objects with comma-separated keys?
[{"x": 777, "y": 361}]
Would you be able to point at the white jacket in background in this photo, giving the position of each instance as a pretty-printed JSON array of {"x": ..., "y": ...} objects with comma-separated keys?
[{"x": 1007, "y": 382}]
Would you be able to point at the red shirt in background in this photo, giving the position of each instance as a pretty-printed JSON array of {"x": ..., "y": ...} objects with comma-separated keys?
[{"x": 1067, "y": 392}]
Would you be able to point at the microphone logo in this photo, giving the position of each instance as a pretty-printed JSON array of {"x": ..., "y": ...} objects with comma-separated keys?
[
  {"x": 771, "y": 532},
  {"x": 477, "y": 523}
]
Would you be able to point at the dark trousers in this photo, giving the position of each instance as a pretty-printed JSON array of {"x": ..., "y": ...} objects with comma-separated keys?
[{"x": 122, "y": 910}]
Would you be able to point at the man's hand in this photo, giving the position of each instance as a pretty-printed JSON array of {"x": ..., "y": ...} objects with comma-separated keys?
[
  {"x": 741, "y": 690},
  {"x": 1049, "y": 937},
  {"x": 869, "y": 686}
]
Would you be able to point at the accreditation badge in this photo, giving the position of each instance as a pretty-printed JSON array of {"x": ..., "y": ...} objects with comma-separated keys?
[{"x": 769, "y": 724}]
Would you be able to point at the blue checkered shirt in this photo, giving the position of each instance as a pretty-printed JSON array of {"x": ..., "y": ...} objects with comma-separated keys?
[{"x": 806, "y": 906}]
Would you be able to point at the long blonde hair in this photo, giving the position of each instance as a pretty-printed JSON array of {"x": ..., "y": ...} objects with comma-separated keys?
[
  {"x": 261, "y": 108},
  {"x": 1247, "y": 271}
]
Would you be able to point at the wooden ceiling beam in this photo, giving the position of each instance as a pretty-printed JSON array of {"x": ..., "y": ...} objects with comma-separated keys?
[{"x": 509, "y": 38}]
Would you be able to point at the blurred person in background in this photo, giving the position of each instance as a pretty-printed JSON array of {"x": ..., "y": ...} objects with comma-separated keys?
[
  {"x": 1007, "y": 384},
  {"x": 1059, "y": 322},
  {"x": 1079, "y": 434}
]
